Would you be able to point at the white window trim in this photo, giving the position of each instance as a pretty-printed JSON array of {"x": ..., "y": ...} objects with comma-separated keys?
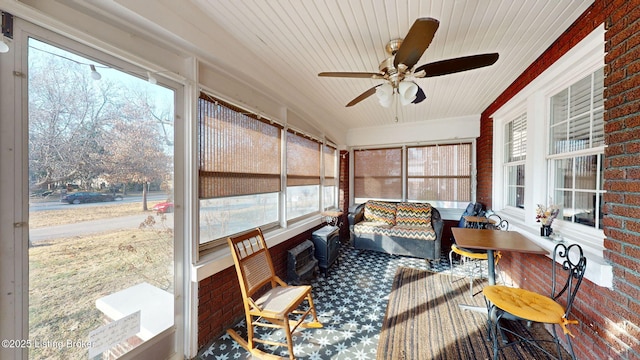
[
  {"x": 580, "y": 61},
  {"x": 44, "y": 28},
  {"x": 499, "y": 177}
]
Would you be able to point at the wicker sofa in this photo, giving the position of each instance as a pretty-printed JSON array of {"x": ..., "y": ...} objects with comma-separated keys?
[{"x": 400, "y": 228}]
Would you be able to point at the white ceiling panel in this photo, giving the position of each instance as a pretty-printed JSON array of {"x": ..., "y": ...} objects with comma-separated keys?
[
  {"x": 299, "y": 39},
  {"x": 282, "y": 45}
]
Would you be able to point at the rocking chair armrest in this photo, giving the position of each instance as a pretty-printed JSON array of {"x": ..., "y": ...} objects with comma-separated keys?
[
  {"x": 280, "y": 282},
  {"x": 253, "y": 305}
]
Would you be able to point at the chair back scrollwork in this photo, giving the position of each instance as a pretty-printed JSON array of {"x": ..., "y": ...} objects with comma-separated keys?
[
  {"x": 497, "y": 223},
  {"x": 570, "y": 260}
]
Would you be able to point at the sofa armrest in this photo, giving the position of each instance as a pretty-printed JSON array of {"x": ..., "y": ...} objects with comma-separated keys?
[
  {"x": 356, "y": 214},
  {"x": 438, "y": 225}
]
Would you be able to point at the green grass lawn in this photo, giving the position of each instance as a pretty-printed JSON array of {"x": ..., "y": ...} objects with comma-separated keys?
[{"x": 67, "y": 276}]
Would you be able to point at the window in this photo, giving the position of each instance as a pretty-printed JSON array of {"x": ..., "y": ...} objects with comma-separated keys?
[
  {"x": 577, "y": 116},
  {"x": 576, "y": 147},
  {"x": 564, "y": 158},
  {"x": 239, "y": 171},
  {"x": 330, "y": 189},
  {"x": 93, "y": 139},
  {"x": 377, "y": 174},
  {"x": 439, "y": 174},
  {"x": 303, "y": 175},
  {"x": 241, "y": 177},
  {"x": 515, "y": 153}
]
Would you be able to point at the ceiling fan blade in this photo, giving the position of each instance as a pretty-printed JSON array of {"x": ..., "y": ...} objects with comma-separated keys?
[
  {"x": 363, "y": 96},
  {"x": 416, "y": 42},
  {"x": 455, "y": 65},
  {"x": 420, "y": 96},
  {"x": 362, "y": 75}
]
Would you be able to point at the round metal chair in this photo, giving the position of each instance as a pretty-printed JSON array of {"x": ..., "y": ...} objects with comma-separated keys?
[{"x": 508, "y": 303}]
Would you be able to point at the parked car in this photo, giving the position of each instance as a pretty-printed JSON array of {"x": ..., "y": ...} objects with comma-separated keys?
[
  {"x": 163, "y": 207},
  {"x": 89, "y": 197}
]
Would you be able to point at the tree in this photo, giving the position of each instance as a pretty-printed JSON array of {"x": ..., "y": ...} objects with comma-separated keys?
[
  {"x": 87, "y": 131},
  {"x": 135, "y": 148},
  {"x": 68, "y": 114}
]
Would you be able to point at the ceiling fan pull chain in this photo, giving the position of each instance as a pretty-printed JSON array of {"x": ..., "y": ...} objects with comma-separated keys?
[{"x": 395, "y": 98}]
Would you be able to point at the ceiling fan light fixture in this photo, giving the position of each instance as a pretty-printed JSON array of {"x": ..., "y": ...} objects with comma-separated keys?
[
  {"x": 407, "y": 91},
  {"x": 404, "y": 55},
  {"x": 384, "y": 93}
]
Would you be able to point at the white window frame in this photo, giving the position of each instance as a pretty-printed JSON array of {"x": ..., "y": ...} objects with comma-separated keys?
[
  {"x": 573, "y": 155},
  {"x": 512, "y": 164},
  {"x": 18, "y": 261},
  {"x": 327, "y": 186},
  {"x": 208, "y": 251},
  {"x": 582, "y": 60}
]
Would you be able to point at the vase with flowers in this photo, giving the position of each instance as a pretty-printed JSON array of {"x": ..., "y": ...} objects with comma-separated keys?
[{"x": 545, "y": 216}]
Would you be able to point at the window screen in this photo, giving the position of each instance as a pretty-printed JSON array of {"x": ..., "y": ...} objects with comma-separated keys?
[
  {"x": 239, "y": 154},
  {"x": 329, "y": 154},
  {"x": 439, "y": 173},
  {"x": 239, "y": 172},
  {"x": 303, "y": 175},
  {"x": 378, "y": 174}
]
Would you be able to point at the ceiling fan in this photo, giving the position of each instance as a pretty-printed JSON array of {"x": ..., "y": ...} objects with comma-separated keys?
[{"x": 398, "y": 69}]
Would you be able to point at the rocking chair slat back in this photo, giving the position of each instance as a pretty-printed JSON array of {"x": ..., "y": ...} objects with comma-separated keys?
[{"x": 252, "y": 254}]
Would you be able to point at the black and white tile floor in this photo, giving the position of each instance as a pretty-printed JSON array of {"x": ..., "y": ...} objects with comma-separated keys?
[{"x": 351, "y": 304}]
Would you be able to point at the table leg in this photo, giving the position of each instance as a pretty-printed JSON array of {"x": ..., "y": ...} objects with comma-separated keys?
[
  {"x": 491, "y": 267},
  {"x": 492, "y": 281}
]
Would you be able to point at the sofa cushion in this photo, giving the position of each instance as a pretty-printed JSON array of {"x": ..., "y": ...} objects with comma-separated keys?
[
  {"x": 371, "y": 227},
  {"x": 413, "y": 214},
  {"x": 380, "y": 211},
  {"x": 411, "y": 232}
]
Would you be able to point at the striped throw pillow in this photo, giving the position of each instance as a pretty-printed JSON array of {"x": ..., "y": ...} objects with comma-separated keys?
[
  {"x": 380, "y": 211},
  {"x": 413, "y": 214}
]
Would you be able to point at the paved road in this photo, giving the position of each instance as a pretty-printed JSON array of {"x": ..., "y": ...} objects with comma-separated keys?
[
  {"x": 89, "y": 227},
  {"x": 55, "y": 204}
]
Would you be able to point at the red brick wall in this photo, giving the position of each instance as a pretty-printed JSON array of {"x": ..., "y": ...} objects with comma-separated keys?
[
  {"x": 622, "y": 179},
  {"x": 484, "y": 156},
  {"x": 609, "y": 318},
  {"x": 219, "y": 298}
]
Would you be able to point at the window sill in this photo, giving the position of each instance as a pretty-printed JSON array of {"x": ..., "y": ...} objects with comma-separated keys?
[
  {"x": 221, "y": 259},
  {"x": 598, "y": 270}
]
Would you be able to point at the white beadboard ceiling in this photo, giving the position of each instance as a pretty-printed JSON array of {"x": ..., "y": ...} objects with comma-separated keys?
[
  {"x": 299, "y": 39},
  {"x": 282, "y": 45}
]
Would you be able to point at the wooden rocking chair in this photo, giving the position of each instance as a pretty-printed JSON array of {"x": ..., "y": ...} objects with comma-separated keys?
[{"x": 273, "y": 308}]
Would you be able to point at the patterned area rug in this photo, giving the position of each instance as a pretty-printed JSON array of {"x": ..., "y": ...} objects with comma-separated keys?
[
  {"x": 424, "y": 321},
  {"x": 351, "y": 303}
]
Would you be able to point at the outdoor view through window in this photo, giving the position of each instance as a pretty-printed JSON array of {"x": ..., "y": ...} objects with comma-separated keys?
[{"x": 101, "y": 239}]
